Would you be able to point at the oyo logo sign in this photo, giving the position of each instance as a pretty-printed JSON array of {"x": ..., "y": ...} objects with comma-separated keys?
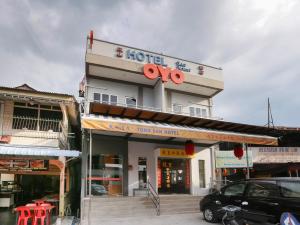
[{"x": 152, "y": 71}]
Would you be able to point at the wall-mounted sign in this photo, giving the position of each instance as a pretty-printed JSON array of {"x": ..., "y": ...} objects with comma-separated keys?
[
  {"x": 182, "y": 66},
  {"x": 226, "y": 159},
  {"x": 152, "y": 71},
  {"x": 170, "y": 152},
  {"x": 24, "y": 165},
  {"x": 275, "y": 154},
  {"x": 142, "y": 57}
]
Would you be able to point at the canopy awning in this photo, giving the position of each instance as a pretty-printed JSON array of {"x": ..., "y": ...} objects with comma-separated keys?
[
  {"x": 148, "y": 128},
  {"x": 14, "y": 150}
]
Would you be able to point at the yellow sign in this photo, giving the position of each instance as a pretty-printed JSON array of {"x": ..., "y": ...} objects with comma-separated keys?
[
  {"x": 170, "y": 152},
  {"x": 176, "y": 132}
]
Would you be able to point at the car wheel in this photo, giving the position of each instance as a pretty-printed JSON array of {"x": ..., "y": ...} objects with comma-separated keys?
[{"x": 209, "y": 215}]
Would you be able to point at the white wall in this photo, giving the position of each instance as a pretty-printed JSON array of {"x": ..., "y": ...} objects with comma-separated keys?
[
  {"x": 189, "y": 101},
  {"x": 136, "y": 150},
  {"x": 202, "y": 154}
]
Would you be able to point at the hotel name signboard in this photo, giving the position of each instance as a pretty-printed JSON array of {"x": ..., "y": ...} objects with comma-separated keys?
[{"x": 134, "y": 128}]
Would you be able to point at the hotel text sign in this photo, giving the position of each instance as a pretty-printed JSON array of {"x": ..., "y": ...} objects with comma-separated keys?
[
  {"x": 152, "y": 71},
  {"x": 150, "y": 58}
]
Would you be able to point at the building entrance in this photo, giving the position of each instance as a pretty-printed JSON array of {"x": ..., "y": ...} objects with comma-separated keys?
[{"x": 173, "y": 176}]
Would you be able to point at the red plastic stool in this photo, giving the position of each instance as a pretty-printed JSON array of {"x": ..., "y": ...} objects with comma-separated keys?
[
  {"x": 39, "y": 215},
  {"x": 48, "y": 212},
  {"x": 24, "y": 215}
]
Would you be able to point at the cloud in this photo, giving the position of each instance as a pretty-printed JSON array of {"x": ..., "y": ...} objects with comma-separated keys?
[{"x": 255, "y": 42}]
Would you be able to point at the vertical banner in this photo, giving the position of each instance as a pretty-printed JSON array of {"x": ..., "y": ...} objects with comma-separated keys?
[
  {"x": 158, "y": 174},
  {"x": 187, "y": 177}
]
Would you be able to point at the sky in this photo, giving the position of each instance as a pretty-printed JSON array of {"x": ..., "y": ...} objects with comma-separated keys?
[{"x": 255, "y": 42}]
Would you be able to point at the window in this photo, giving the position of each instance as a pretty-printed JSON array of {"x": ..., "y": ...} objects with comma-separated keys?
[
  {"x": 192, "y": 111},
  {"x": 177, "y": 108},
  {"x": 290, "y": 189},
  {"x": 97, "y": 97},
  {"x": 198, "y": 112},
  {"x": 235, "y": 190},
  {"x": 263, "y": 190},
  {"x": 202, "y": 173},
  {"x": 131, "y": 102},
  {"x": 113, "y": 99},
  {"x": 36, "y": 117},
  {"x": 105, "y": 98},
  {"x": 204, "y": 113}
]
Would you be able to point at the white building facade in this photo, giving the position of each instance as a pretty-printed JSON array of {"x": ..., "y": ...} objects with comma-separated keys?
[{"x": 139, "y": 110}]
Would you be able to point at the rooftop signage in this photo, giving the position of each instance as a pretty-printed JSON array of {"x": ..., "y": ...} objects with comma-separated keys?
[
  {"x": 150, "y": 58},
  {"x": 152, "y": 71}
]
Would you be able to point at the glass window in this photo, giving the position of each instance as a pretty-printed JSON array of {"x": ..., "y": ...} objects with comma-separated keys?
[
  {"x": 192, "y": 111},
  {"x": 204, "y": 112},
  {"x": 97, "y": 97},
  {"x": 198, "y": 112},
  {"x": 263, "y": 190},
  {"x": 290, "y": 189},
  {"x": 113, "y": 99},
  {"x": 130, "y": 101},
  {"x": 235, "y": 190},
  {"x": 105, "y": 98},
  {"x": 202, "y": 173},
  {"x": 177, "y": 108}
]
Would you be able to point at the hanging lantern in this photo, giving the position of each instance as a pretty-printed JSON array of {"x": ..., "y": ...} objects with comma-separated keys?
[
  {"x": 189, "y": 147},
  {"x": 238, "y": 151},
  {"x": 225, "y": 173},
  {"x": 234, "y": 170}
]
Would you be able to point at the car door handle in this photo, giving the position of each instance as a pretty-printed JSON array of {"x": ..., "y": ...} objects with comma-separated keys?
[
  {"x": 238, "y": 200},
  {"x": 273, "y": 203}
]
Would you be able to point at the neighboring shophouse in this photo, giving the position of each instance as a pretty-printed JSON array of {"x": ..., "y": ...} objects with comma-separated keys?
[
  {"x": 280, "y": 161},
  {"x": 148, "y": 117},
  {"x": 37, "y": 136}
]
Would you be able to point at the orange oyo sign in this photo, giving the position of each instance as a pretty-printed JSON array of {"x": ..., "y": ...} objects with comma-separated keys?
[{"x": 152, "y": 71}]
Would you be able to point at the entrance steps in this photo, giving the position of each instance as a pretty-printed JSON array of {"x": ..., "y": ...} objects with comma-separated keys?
[
  {"x": 179, "y": 204},
  {"x": 102, "y": 210}
]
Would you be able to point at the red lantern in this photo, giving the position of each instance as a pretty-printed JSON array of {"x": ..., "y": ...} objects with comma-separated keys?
[
  {"x": 238, "y": 151},
  {"x": 225, "y": 172},
  {"x": 189, "y": 147}
]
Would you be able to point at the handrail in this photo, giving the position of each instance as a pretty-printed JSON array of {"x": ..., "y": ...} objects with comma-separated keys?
[{"x": 154, "y": 197}]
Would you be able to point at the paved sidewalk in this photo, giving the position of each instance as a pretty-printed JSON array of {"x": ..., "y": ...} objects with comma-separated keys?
[{"x": 178, "y": 219}]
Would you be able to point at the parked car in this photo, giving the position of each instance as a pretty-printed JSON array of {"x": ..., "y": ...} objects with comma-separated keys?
[
  {"x": 98, "y": 189},
  {"x": 261, "y": 200}
]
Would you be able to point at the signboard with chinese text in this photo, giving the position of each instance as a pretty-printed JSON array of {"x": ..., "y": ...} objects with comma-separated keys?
[
  {"x": 24, "y": 165},
  {"x": 178, "y": 153},
  {"x": 275, "y": 154}
]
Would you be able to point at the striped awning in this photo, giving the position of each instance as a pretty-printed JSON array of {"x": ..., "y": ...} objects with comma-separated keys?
[
  {"x": 15, "y": 150},
  {"x": 141, "y": 127}
]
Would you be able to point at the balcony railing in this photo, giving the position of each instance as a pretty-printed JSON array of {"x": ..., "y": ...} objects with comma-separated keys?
[
  {"x": 36, "y": 124},
  {"x": 28, "y": 127}
]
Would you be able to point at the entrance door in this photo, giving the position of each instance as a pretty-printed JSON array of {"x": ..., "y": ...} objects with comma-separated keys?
[{"x": 173, "y": 176}]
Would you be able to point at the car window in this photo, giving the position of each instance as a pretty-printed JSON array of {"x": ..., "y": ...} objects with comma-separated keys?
[
  {"x": 290, "y": 189},
  {"x": 263, "y": 190},
  {"x": 235, "y": 190}
]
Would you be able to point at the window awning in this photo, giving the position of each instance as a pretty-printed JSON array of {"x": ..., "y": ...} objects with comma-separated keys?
[
  {"x": 14, "y": 150},
  {"x": 149, "y": 128}
]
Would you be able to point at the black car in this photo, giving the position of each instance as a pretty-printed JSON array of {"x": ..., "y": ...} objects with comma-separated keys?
[{"x": 261, "y": 200}]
